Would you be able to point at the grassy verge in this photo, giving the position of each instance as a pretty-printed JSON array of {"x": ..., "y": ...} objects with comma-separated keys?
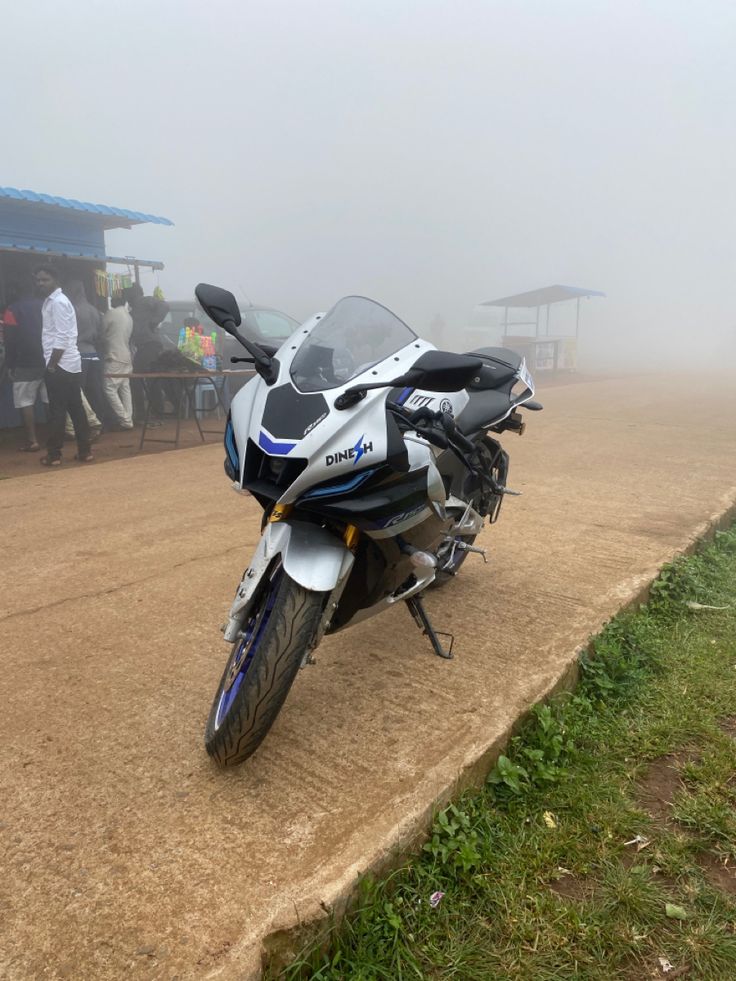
[{"x": 599, "y": 846}]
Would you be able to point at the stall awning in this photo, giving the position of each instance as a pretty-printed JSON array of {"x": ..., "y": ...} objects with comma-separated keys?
[
  {"x": 53, "y": 226},
  {"x": 102, "y": 214},
  {"x": 541, "y": 297}
]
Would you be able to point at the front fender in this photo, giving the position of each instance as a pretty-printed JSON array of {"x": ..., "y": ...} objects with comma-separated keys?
[{"x": 309, "y": 554}]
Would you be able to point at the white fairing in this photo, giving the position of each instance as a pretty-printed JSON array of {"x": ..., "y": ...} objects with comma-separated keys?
[{"x": 363, "y": 425}]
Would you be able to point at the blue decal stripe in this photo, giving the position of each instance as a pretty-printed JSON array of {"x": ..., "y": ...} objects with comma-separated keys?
[
  {"x": 275, "y": 449},
  {"x": 343, "y": 488},
  {"x": 404, "y": 396}
]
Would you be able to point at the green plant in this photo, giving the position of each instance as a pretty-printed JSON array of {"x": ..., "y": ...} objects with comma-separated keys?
[
  {"x": 539, "y": 755},
  {"x": 454, "y": 842}
]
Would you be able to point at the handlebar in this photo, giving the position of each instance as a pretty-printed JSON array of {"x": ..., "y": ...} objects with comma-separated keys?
[
  {"x": 450, "y": 426},
  {"x": 448, "y": 436},
  {"x": 438, "y": 428}
]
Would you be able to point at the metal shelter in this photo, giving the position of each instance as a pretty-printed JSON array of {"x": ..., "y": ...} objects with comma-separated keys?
[
  {"x": 541, "y": 349},
  {"x": 536, "y": 299}
]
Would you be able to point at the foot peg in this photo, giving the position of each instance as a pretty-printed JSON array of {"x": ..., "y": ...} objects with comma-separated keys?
[
  {"x": 416, "y": 608},
  {"x": 464, "y": 547}
]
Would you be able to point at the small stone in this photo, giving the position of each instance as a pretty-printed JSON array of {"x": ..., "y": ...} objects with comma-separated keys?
[{"x": 146, "y": 952}]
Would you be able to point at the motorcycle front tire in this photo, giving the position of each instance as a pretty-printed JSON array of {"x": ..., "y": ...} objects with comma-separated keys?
[{"x": 281, "y": 626}]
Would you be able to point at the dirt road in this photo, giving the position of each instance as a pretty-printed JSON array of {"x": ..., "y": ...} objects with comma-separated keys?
[{"x": 122, "y": 849}]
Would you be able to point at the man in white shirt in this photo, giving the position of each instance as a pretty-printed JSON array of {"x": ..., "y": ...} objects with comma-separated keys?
[
  {"x": 117, "y": 326},
  {"x": 63, "y": 368}
]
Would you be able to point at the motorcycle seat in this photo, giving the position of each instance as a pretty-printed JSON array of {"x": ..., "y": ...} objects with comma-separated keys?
[
  {"x": 484, "y": 408},
  {"x": 500, "y": 364}
]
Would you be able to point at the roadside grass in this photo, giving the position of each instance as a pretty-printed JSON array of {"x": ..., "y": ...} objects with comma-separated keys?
[{"x": 600, "y": 844}]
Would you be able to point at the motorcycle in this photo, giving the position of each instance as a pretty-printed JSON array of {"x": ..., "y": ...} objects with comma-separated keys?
[{"x": 370, "y": 453}]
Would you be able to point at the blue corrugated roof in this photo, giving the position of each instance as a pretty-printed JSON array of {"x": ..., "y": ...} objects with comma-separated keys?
[{"x": 104, "y": 210}]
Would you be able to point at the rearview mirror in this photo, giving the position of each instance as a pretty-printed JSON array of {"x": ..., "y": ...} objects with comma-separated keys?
[
  {"x": 220, "y": 305},
  {"x": 440, "y": 371}
]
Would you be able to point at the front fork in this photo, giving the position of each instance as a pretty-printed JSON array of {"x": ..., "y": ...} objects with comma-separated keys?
[{"x": 310, "y": 555}]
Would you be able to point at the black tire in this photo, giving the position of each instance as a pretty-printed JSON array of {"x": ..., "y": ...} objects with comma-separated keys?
[{"x": 283, "y": 623}]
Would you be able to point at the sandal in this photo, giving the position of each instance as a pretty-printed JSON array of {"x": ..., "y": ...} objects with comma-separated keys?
[
  {"x": 89, "y": 458},
  {"x": 29, "y": 448},
  {"x": 50, "y": 461}
]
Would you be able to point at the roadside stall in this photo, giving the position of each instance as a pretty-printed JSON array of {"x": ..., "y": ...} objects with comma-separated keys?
[
  {"x": 36, "y": 227},
  {"x": 545, "y": 349}
]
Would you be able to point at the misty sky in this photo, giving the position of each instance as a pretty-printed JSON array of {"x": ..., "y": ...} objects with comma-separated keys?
[{"x": 431, "y": 155}]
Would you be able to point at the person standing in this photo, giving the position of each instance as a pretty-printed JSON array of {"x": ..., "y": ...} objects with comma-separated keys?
[
  {"x": 147, "y": 313},
  {"x": 89, "y": 335},
  {"x": 22, "y": 325},
  {"x": 63, "y": 368},
  {"x": 117, "y": 326}
]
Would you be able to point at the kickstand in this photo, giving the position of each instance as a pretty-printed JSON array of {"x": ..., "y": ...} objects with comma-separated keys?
[{"x": 416, "y": 608}]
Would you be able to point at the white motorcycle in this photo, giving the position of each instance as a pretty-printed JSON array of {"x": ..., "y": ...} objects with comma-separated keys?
[{"x": 368, "y": 450}]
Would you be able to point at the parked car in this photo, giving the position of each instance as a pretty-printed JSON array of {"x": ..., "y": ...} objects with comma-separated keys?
[{"x": 262, "y": 324}]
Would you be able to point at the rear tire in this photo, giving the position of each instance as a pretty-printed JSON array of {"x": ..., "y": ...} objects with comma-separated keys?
[{"x": 262, "y": 666}]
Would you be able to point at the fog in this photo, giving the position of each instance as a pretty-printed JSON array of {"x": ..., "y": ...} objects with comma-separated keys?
[{"x": 430, "y": 155}]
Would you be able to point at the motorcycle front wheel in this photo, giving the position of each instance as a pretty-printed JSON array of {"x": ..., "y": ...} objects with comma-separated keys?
[{"x": 262, "y": 666}]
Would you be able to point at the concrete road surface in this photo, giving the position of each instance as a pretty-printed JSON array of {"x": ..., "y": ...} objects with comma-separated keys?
[{"x": 123, "y": 850}]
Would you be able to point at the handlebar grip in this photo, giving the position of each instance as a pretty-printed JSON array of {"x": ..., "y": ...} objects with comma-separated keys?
[
  {"x": 421, "y": 415},
  {"x": 450, "y": 427},
  {"x": 434, "y": 436}
]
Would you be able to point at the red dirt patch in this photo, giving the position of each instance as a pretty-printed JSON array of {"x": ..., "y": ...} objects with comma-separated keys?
[
  {"x": 728, "y": 726},
  {"x": 660, "y": 785},
  {"x": 571, "y": 887},
  {"x": 721, "y": 876}
]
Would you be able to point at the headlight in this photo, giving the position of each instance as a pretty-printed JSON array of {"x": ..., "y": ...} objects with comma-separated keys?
[{"x": 276, "y": 467}]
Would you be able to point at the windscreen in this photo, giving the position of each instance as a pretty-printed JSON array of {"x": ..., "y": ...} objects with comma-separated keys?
[{"x": 356, "y": 334}]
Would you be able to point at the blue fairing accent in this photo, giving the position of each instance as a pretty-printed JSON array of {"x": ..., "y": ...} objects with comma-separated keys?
[
  {"x": 404, "y": 396},
  {"x": 275, "y": 449},
  {"x": 230, "y": 447},
  {"x": 341, "y": 488}
]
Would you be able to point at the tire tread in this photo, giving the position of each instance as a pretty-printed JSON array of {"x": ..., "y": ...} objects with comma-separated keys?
[{"x": 292, "y": 624}]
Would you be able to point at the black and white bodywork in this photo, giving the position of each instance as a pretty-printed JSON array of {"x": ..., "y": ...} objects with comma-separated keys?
[{"x": 372, "y": 456}]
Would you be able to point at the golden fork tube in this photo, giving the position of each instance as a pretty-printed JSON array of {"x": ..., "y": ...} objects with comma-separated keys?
[
  {"x": 281, "y": 511},
  {"x": 350, "y": 537}
]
